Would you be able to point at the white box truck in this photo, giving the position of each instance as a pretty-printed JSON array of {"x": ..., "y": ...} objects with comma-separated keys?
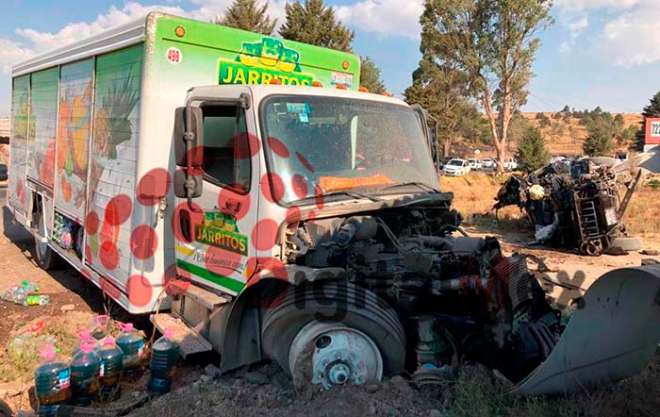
[{"x": 241, "y": 190}]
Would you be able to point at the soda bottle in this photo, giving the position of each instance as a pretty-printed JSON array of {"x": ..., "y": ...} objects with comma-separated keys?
[
  {"x": 131, "y": 344},
  {"x": 164, "y": 354},
  {"x": 85, "y": 368},
  {"x": 110, "y": 370},
  {"x": 86, "y": 336},
  {"x": 100, "y": 327},
  {"x": 52, "y": 383}
]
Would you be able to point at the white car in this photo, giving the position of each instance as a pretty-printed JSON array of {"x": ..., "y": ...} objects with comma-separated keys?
[
  {"x": 474, "y": 164},
  {"x": 456, "y": 167},
  {"x": 488, "y": 164},
  {"x": 511, "y": 165}
]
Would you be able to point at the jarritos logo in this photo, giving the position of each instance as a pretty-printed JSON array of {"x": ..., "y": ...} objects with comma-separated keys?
[
  {"x": 261, "y": 62},
  {"x": 221, "y": 231}
]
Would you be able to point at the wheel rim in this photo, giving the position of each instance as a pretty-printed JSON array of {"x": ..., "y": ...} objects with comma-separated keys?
[{"x": 334, "y": 354}]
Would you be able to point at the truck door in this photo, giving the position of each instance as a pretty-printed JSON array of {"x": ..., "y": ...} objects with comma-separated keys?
[{"x": 213, "y": 233}]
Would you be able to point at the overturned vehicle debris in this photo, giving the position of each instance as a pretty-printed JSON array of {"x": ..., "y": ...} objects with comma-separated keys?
[{"x": 576, "y": 204}]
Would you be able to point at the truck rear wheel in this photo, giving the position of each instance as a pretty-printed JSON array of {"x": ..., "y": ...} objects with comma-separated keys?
[
  {"x": 46, "y": 258},
  {"x": 333, "y": 334}
]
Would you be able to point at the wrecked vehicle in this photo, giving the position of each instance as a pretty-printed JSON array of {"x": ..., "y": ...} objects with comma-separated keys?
[
  {"x": 288, "y": 222},
  {"x": 576, "y": 204}
]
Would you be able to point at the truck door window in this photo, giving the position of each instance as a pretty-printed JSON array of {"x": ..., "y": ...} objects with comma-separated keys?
[{"x": 225, "y": 147}]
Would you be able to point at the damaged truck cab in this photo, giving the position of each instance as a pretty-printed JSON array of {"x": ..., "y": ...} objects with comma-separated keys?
[
  {"x": 356, "y": 266},
  {"x": 242, "y": 191},
  {"x": 320, "y": 211}
]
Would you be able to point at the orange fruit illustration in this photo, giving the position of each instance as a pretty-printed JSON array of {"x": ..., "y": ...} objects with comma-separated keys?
[
  {"x": 79, "y": 142},
  {"x": 66, "y": 190}
]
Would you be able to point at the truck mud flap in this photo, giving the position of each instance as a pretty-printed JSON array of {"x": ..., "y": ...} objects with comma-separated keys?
[{"x": 612, "y": 335}]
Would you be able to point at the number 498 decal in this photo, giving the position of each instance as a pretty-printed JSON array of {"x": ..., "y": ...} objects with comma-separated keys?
[{"x": 174, "y": 55}]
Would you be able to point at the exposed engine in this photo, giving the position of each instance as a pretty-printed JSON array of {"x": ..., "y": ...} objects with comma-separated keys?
[
  {"x": 458, "y": 297},
  {"x": 572, "y": 204}
]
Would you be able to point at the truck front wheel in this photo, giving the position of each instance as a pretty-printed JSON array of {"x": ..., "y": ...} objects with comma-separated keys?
[{"x": 333, "y": 334}]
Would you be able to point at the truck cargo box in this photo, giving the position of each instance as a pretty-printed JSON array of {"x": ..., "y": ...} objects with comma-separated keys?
[{"x": 92, "y": 132}]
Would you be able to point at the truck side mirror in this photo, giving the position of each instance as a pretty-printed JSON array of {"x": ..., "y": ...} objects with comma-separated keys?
[
  {"x": 194, "y": 132},
  {"x": 187, "y": 184}
]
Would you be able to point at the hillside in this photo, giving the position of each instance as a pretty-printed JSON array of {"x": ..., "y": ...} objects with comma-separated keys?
[{"x": 565, "y": 136}]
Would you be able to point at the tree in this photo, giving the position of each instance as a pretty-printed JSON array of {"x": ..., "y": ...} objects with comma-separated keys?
[
  {"x": 315, "y": 23},
  {"x": 544, "y": 121},
  {"x": 651, "y": 110},
  {"x": 441, "y": 91},
  {"x": 532, "y": 153},
  {"x": 518, "y": 127},
  {"x": 248, "y": 15},
  {"x": 493, "y": 42},
  {"x": 370, "y": 76},
  {"x": 628, "y": 135},
  {"x": 599, "y": 142}
]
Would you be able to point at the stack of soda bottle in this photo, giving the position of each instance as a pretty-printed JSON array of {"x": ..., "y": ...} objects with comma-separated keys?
[{"x": 98, "y": 366}]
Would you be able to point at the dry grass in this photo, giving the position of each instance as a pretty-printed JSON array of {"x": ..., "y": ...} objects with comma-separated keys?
[
  {"x": 21, "y": 357},
  {"x": 566, "y": 136},
  {"x": 474, "y": 196},
  {"x": 643, "y": 215},
  {"x": 477, "y": 393}
]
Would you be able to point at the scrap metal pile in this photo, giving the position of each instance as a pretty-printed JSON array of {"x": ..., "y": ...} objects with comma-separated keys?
[{"x": 575, "y": 204}]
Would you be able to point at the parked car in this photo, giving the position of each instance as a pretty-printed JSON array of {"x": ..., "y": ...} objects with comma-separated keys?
[
  {"x": 456, "y": 167},
  {"x": 511, "y": 165},
  {"x": 488, "y": 164},
  {"x": 474, "y": 164}
]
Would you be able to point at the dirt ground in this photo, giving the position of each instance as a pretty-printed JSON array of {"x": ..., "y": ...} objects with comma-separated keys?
[{"x": 200, "y": 390}]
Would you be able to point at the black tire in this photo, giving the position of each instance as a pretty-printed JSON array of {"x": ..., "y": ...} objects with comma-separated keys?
[
  {"x": 46, "y": 258},
  {"x": 5, "y": 411},
  {"x": 360, "y": 309},
  {"x": 627, "y": 244}
]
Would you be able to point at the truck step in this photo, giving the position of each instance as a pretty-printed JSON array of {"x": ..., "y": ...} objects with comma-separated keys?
[
  {"x": 206, "y": 298},
  {"x": 189, "y": 340}
]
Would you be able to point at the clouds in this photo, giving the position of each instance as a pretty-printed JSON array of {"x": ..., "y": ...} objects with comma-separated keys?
[
  {"x": 574, "y": 5},
  {"x": 390, "y": 17},
  {"x": 31, "y": 42},
  {"x": 575, "y": 28},
  {"x": 632, "y": 38},
  {"x": 626, "y": 34},
  {"x": 11, "y": 53}
]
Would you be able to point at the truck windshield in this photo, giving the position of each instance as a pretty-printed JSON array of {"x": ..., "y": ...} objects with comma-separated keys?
[{"x": 324, "y": 145}]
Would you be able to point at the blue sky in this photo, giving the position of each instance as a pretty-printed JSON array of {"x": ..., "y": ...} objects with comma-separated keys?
[{"x": 598, "y": 52}]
